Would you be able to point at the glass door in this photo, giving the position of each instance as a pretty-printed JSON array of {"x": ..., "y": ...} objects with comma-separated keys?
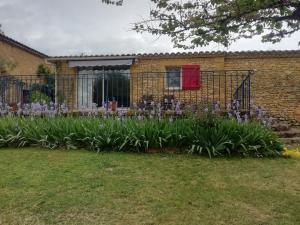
[
  {"x": 95, "y": 87},
  {"x": 112, "y": 85},
  {"x": 85, "y": 81}
]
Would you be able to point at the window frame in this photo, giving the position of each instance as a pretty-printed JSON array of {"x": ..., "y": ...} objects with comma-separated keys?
[{"x": 166, "y": 78}]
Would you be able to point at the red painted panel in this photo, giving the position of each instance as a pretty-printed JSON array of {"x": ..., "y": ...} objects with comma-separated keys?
[{"x": 191, "y": 77}]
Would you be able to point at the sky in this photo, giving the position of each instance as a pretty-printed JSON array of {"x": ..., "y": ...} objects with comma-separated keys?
[{"x": 72, "y": 27}]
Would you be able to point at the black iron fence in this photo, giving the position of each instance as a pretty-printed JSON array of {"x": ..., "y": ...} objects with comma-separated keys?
[
  {"x": 243, "y": 92},
  {"x": 115, "y": 89}
]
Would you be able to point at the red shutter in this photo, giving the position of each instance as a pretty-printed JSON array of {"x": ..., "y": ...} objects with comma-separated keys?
[{"x": 191, "y": 77}]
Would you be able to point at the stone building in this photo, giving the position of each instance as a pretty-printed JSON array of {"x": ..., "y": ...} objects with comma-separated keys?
[
  {"x": 18, "y": 68},
  {"x": 270, "y": 79},
  {"x": 24, "y": 58},
  {"x": 220, "y": 76}
]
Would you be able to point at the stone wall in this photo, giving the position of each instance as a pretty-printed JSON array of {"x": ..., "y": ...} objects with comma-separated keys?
[
  {"x": 66, "y": 85},
  {"x": 24, "y": 72},
  {"x": 148, "y": 78},
  {"x": 26, "y": 63},
  {"x": 275, "y": 84}
]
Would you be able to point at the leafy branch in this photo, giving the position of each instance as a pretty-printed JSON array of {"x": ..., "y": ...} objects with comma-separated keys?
[
  {"x": 113, "y": 2},
  {"x": 200, "y": 22}
]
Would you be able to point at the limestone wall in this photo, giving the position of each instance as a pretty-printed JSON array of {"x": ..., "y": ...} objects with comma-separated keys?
[
  {"x": 275, "y": 84},
  {"x": 26, "y": 63}
]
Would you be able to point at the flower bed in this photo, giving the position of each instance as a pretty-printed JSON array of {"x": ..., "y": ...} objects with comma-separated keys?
[
  {"x": 144, "y": 110},
  {"x": 208, "y": 135}
]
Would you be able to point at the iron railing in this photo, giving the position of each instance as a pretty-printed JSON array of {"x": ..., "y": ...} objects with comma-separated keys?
[
  {"x": 98, "y": 89},
  {"x": 243, "y": 92}
]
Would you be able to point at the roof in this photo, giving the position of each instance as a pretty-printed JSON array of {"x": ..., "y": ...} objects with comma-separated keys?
[
  {"x": 17, "y": 44},
  {"x": 92, "y": 57},
  {"x": 273, "y": 53}
]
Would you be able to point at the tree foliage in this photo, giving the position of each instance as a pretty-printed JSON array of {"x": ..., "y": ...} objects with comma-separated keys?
[
  {"x": 1, "y": 31},
  {"x": 7, "y": 65},
  {"x": 192, "y": 23},
  {"x": 113, "y": 2}
]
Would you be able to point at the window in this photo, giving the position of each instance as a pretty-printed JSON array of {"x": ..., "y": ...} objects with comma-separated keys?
[
  {"x": 173, "y": 78},
  {"x": 187, "y": 77}
]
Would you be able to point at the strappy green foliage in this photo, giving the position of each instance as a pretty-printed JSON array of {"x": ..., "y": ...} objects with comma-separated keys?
[{"x": 197, "y": 136}]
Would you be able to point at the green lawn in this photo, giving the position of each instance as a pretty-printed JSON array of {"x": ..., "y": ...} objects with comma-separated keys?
[{"x": 81, "y": 187}]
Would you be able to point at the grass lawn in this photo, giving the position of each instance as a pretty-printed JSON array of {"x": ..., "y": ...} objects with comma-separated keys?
[{"x": 81, "y": 187}]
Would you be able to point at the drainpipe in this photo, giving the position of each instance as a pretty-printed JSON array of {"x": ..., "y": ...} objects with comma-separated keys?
[
  {"x": 56, "y": 84},
  {"x": 103, "y": 92}
]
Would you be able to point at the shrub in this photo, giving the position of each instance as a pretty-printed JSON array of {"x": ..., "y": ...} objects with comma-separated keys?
[
  {"x": 213, "y": 137},
  {"x": 43, "y": 92},
  {"x": 38, "y": 96}
]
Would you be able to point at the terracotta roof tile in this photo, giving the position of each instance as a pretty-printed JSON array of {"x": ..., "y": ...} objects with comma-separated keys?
[{"x": 275, "y": 53}]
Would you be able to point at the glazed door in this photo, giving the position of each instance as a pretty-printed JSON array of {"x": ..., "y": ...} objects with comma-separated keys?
[
  {"x": 112, "y": 85},
  {"x": 96, "y": 87}
]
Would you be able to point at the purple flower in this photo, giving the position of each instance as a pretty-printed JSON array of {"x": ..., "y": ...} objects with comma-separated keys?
[
  {"x": 228, "y": 107},
  {"x": 246, "y": 118}
]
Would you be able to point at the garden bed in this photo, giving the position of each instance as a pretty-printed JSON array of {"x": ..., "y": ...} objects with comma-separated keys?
[{"x": 205, "y": 136}]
